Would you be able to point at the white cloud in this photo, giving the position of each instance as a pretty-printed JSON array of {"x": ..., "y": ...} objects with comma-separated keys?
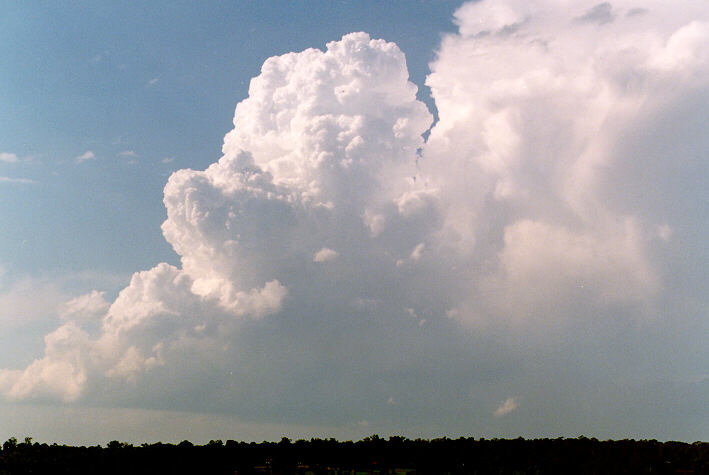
[
  {"x": 507, "y": 406},
  {"x": 684, "y": 50},
  {"x": 153, "y": 81},
  {"x": 541, "y": 264},
  {"x": 523, "y": 219},
  {"x": 528, "y": 135},
  {"x": 8, "y": 157},
  {"x": 60, "y": 374},
  {"x": 88, "y": 306},
  {"x": 278, "y": 176},
  {"x": 417, "y": 252},
  {"x": 128, "y": 153},
  {"x": 22, "y": 181},
  {"x": 325, "y": 254},
  {"x": 415, "y": 255},
  {"x": 88, "y": 155}
]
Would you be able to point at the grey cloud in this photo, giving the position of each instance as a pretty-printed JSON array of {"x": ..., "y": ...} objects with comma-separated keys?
[
  {"x": 599, "y": 14},
  {"x": 637, "y": 11}
]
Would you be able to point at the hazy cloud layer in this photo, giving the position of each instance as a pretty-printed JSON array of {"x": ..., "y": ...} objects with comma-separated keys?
[{"x": 335, "y": 268}]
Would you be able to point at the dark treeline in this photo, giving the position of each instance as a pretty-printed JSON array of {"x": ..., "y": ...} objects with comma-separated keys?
[{"x": 372, "y": 455}]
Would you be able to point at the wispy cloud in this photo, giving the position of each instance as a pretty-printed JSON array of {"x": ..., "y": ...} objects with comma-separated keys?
[
  {"x": 6, "y": 179},
  {"x": 88, "y": 155},
  {"x": 8, "y": 157},
  {"x": 128, "y": 153},
  {"x": 153, "y": 82},
  {"x": 97, "y": 58},
  {"x": 28, "y": 300}
]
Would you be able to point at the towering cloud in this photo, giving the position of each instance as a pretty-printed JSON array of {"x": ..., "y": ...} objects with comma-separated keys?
[
  {"x": 322, "y": 154},
  {"x": 540, "y": 106},
  {"x": 533, "y": 219}
]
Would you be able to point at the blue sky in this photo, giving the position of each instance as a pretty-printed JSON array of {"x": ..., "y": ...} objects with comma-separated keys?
[{"x": 425, "y": 218}]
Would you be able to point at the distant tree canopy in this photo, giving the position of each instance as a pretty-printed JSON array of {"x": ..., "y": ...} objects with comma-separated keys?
[{"x": 372, "y": 454}]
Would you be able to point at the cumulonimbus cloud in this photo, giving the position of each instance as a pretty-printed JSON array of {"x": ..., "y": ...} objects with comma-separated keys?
[
  {"x": 324, "y": 139},
  {"x": 507, "y": 214}
]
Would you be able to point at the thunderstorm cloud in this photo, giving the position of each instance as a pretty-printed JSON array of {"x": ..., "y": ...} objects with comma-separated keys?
[{"x": 533, "y": 235}]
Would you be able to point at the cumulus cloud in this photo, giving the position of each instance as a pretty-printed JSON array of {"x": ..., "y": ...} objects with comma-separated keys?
[
  {"x": 325, "y": 254},
  {"x": 522, "y": 227},
  {"x": 508, "y": 405},
  {"x": 60, "y": 374},
  {"x": 89, "y": 306},
  {"x": 88, "y": 155},
  {"x": 342, "y": 146}
]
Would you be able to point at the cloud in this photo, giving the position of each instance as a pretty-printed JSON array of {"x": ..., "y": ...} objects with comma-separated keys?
[
  {"x": 325, "y": 254},
  {"x": 492, "y": 18},
  {"x": 88, "y": 306},
  {"x": 22, "y": 181},
  {"x": 523, "y": 237},
  {"x": 599, "y": 14},
  {"x": 153, "y": 81},
  {"x": 541, "y": 263},
  {"x": 529, "y": 133},
  {"x": 636, "y": 11},
  {"x": 507, "y": 406},
  {"x": 27, "y": 301},
  {"x": 88, "y": 155},
  {"x": 60, "y": 374},
  {"x": 128, "y": 153},
  {"x": 8, "y": 157},
  {"x": 279, "y": 176}
]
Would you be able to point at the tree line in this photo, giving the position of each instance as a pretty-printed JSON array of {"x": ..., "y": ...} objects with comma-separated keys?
[{"x": 371, "y": 455}]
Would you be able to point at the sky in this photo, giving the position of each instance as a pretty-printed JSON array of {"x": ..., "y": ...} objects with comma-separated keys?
[{"x": 251, "y": 220}]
